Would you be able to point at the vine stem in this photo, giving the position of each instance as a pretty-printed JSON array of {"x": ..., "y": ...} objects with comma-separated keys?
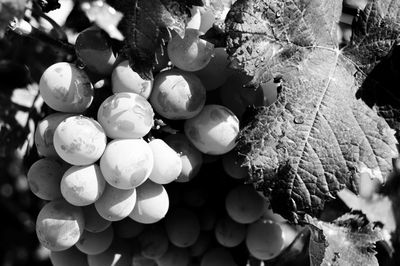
[{"x": 24, "y": 28}]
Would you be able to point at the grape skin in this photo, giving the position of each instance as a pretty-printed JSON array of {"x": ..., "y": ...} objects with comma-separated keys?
[
  {"x": 229, "y": 233},
  {"x": 124, "y": 79},
  {"x": 126, "y": 115},
  {"x": 264, "y": 239},
  {"x": 94, "y": 223},
  {"x": 116, "y": 204},
  {"x": 44, "y": 134},
  {"x": 93, "y": 49},
  {"x": 192, "y": 158},
  {"x": 65, "y": 88},
  {"x": 79, "y": 140},
  {"x": 152, "y": 203},
  {"x": 59, "y": 225},
  {"x": 95, "y": 243},
  {"x": 123, "y": 168},
  {"x": 167, "y": 163},
  {"x": 82, "y": 185},
  {"x": 44, "y": 177},
  {"x": 213, "y": 130},
  {"x": 190, "y": 53},
  {"x": 177, "y": 94}
]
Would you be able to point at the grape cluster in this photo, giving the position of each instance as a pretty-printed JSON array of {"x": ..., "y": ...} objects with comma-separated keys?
[{"x": 122, "y": 191}]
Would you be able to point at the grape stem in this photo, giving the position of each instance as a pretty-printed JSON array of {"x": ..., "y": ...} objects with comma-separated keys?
[{"x": 24, "y": 28}]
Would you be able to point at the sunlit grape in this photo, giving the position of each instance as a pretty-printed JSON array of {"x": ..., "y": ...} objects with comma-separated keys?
[
  {"x": 152, "y": 203},
  {"x": 59, "y": 225},
  {"x": 127, "y": 163},
  {"x": 82, "y": 185},
  {"x": 213, "y": 130},
  {"x": 190, "y": 53},
  {"x": 124, "y": 79},
  {"x": 177, "y": 94},
  {"x": 66, "y": 88},
  {"x": 79, "y": 140},
  {"x": 125, "y": 115}
]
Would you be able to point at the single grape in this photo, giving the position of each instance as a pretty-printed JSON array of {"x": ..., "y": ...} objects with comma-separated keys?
[
  {"x": 126, "y": 115},
  {"x": 203, "y": 242},
  {"x": 236, "y": 97},
  {"x": 127, "y": 163},
  {"x": 174, "y": 256},
  {"x": 244, "y": 204},
  {"x": 128, "y": 228},
  {"x": 264, "y": 239},
  {"x": 214, "y": 130},
  {"x": 217, "y": 256},
  {"x": 191, "y": 158},
  {"x": 59, "y": 225},
  {"x": 152, "y": 203},
  {"x": 124, "y": 79},
  {"x": 95, "y": 243},
  {"x": 44, "y": 177},
  {"x": 82, "y": 185},
  {"x": 167, "y": 163},
  {"x": 177, "y": 94},
  {"x": 216, "y": 73},
  {"x": 182, "y": 227},
  {"x": 79, "y": 140},
  {"x": 232, "y": 164},
  {"x": 94, "y": 223},
  {"x": 44, "y": 134},
  {"x": 68, "y": 257},
  {"x": 229, "y": 233},
  {"x": 190, "y": 53},
  {"x": 153, "y": 242},
  {"x": 65, "y": 88},
  {"x": 116, "y": 204},
  {"x": 118, "y": 254},
  {"x": 93, "y": 48}
]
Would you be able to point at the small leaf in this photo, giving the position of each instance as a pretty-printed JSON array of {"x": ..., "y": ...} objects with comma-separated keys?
[
  {"x": 105, "y": 16},
  {"x": 9, "y": 9},
  {"x": 349, "y": 240},
  {"x": 147, "y": 25},
  {"x": 317, "y": 138}
]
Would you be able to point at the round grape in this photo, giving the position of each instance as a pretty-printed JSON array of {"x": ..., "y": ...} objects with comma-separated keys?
[
  {"x": 213, "y": 130},
  {"x": 126, "y": 115},
  {"x": 79, "y": 140},
  {"x": 82, "y": 185},
  {"x": 95, "y": 243},
  {"x": 59, "y": 225},
  {"x": 229, "y": 233},
  {"x": 65, "y": 88},
  {"x": 94, "y": 223},
  {"x": 152, "y": 203},
  {"x": 190, "y": 53},
  {"x": 124, "y": 79},
  {"x": 177, "y": 94},
  {"x": 153, "y": 242},
  {"x": 127, "y": 163}
]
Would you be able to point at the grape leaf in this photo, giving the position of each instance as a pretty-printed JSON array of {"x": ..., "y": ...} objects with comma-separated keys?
[
  {"x": 349, "y": 240},
  {"x": 8, "y": 10},
  {"x": 317, "y": 137},
  {"x": 146, "y": 26}
]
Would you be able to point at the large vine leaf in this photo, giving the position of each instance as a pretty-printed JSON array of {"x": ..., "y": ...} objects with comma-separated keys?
[
  {"x": 317, "y": 137},
  {"x": 349, "y": 240},
  {"x": 147, "y": 26}
]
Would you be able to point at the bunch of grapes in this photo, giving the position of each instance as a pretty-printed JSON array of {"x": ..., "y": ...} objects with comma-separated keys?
[{"x": 124, "y": 188}]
